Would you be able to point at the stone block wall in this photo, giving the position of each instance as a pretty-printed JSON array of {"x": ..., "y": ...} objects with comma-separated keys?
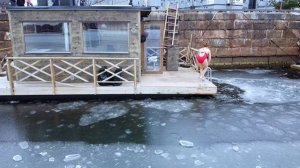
[
  {"x": 259, "y": 36},
  {"x": 5, "y": 43}
]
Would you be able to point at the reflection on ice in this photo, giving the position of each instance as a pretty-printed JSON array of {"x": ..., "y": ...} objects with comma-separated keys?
[{"x": 102, "y": 112}]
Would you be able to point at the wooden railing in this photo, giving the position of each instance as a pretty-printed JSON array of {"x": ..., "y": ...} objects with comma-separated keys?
[
  {"x": 71, "y": 71},
  {"x": 187, "y": 57}
]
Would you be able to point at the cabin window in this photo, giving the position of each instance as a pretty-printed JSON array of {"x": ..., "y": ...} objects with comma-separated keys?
[
  {"x": 46, "y": 37},
  {"x": 105, "y": 37}
]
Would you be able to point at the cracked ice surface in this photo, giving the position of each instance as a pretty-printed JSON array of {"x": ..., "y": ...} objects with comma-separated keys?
[
  {"x": 259, "y": 89},
  {"x": 248, "y": 130},
  {"x": 249, "y": 155}
]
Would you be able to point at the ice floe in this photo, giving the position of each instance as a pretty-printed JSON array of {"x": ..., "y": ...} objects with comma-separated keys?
[
  {"x": 186, "y": 143},
  {"x": 69, "y": 106},
  {"x": 102, "y": 112},
  {"x": 71, "y": 157},
  {"x": 23, "y": 145},
  {"x": 17, "y": 158}
]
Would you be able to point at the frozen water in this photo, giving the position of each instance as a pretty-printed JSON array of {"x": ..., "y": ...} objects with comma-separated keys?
[
  {"x": 198, "y": 162},
  {"x": 158, "y": 151},
  {"x": 186, "y": 143},
  {"x": 180, "y": 157},
  {"x": 17, "y": 158},
  {"x": 51, "y": 159},
  {"x": 102, "y": 112},
  {"x": 165, "y": 155},
  {"x": 267, "y": 91},
  {"x": 23, "y": 145},
  {"x": 71, "y": 157},
  {"x": 248, "y": 131},
  {"x": 69, "y": 105},
  {"x": 173, "y": 106}
]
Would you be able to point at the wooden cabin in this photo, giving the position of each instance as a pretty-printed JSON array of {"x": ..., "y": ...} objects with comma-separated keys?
[{"x": 92, "y": 50}]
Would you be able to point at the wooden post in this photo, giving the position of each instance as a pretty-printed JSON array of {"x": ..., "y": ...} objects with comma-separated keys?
[
  {"x": 52, "y": 77},
  {"x": 95, "y": 75},
  {"x": 10, "y": 77},
  {"x": 134, "y": 69}
]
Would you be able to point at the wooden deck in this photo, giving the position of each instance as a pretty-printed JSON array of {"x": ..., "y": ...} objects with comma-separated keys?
[{"x": 185, "y": 81}]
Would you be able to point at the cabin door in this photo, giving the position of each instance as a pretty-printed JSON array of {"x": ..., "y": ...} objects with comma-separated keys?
[{"x": 151, "y": 48}]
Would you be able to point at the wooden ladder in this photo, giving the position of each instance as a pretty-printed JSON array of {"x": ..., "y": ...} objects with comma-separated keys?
[{"x": 170, "y": 35}]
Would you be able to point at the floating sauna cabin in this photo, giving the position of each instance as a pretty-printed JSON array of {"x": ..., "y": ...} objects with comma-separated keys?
[{"x": 91, "y": 50}]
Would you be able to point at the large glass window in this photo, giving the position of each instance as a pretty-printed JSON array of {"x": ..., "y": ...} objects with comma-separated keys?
[
  {"x": 152, "y": 48},
  {"x": 46, "y": 37},
  {"x": 105, "y": 37}
]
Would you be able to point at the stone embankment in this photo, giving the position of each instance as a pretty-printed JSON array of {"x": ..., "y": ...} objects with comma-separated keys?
[{"x": 243, "y": 38}]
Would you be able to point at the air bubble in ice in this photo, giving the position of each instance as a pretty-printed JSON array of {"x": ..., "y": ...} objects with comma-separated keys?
[
  {"x": 23, "y": 145},
  {"x": 17, "y": 158},
  {"x": 186, "y": 143},
  {"x": 71, "y": 157},
  {"x": 163, "y": 124}
]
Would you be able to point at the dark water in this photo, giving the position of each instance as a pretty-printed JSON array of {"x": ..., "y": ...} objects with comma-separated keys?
[{"x": 253, "y": 121}]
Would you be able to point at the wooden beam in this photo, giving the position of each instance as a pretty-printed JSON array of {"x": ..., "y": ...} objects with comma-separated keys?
[
  {"x": 10, "y": 77},
  {"x": 95, "y": 76},
  {"x": 52, "y": 77},
  {"x": 134, "y": 80}
]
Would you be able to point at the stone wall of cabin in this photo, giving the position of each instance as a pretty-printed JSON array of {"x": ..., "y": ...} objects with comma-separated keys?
[
  {"x": 243, "y": 38},
  {"x": 5, "y": 44}
]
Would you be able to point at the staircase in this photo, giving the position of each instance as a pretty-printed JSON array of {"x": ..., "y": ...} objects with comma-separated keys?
[{"x": 170, "y": 35}]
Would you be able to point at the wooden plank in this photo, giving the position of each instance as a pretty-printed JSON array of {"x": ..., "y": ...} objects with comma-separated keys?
[
  {"x": 72, "y": 58},
  {"x": 10, "y": 77},
  {"x": 134, "y": 80},
  {"x": 95, "y": 76},
  {"x": 52, "y": 77}
]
